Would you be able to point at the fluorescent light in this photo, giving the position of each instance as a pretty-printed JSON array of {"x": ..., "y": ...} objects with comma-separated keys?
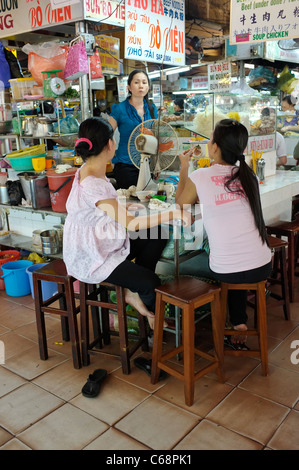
[
  {"x": 249, "y": 66},
  {"x": 176, "y": 70},
  {"x": 189, "y": 92},
  {"x": 154, "y": 74}
]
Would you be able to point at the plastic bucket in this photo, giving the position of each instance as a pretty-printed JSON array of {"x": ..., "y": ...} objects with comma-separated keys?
[
  {"x": 60, "y": 185},
  {"x": 6, "y": 257},
  {"x": 48, "y": 288},
  {"x": 16, "y": 279}
]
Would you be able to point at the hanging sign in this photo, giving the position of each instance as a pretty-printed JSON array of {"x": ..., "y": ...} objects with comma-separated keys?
[
  {"x": 18, "y": 17},
  {"x": 219, "y": 77},
  {"x": 105, "y": 11},
  {"x": 267, "y": 20},
  {"x": 109, "y": 53},
  {"x": 155, "y": 31},
  {"x": 199, "y": 83},
  {"x": 122, "y": 89}
]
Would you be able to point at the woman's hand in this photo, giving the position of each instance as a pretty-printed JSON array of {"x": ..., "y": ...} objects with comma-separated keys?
[
  {"x": 185, "y": 216},
  {"x": 185, "y": 156}
]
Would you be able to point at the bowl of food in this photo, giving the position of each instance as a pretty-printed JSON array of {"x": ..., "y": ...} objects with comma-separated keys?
[{"x": 144, "y": 196}]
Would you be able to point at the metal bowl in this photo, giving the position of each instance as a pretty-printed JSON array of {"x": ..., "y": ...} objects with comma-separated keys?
[{"x": 6, "y": 127}]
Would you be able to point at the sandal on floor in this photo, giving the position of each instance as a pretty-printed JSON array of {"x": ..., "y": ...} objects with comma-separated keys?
[
  {"x": 146, "y": 365},
  {"x": 235, "y": 346},
  {"x": 92, "y": 387}
]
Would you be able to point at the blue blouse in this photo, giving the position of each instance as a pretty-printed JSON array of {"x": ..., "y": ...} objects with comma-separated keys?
[{"x": 127, "y": 119}]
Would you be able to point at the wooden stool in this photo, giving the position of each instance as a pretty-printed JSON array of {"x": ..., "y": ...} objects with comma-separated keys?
[
  {"x": 289, "y": 230},
  {"x": 98, "y": 297},
  {"x": 55, "y": 271},
  {"x": 280, "y": 266},
  {"x": 188, "y": 294},
  {"x": 260, "y": 331}
]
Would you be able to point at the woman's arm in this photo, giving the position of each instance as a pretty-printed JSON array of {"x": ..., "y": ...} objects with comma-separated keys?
[
  {"x": 186, "y": 190},
  {"x": 119, "y": 213},
  {"x": 113, "y": 122}
]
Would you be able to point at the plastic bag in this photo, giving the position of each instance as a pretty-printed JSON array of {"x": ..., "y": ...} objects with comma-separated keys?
[
  {"x": 4, "y": 69},
  {"x": 76, "y": 62},
  {"x": 68, "y": 125},
  {"x": 45, "y": 56},
  {"x": 262, "y": 78},
  {"x": 15, "y": 192},
  {"x": 95, "y": 66},
  {"x": 14, "y": 64}
]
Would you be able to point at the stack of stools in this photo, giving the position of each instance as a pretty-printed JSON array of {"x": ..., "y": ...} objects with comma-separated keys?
[
  {"x": 188, "y": 294},
  {"x": 55, "y": 271},
  {"x": 279, "y": 267},
  {"x": 290, "y": 230},
  {"x": 98, "y": 296},
  {"x": 260, "y": 331}
]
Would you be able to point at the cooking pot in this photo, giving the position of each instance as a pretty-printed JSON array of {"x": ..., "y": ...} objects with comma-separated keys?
[
  {"x": 4, "y": 197},
  {"x": 42, "y": 126},
  {"x": 28, "y": 125}
]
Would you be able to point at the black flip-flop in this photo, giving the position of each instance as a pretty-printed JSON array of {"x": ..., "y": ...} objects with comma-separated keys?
[
  {"x": 146, "y": 365},
  {"x": 92, "y": 387}
]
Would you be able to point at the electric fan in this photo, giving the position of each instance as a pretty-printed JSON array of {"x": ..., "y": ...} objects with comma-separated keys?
[{"x": 152, "y": 147}]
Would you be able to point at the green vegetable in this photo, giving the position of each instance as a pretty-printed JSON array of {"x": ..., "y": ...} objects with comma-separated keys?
[{"x": 71, "y": 93}]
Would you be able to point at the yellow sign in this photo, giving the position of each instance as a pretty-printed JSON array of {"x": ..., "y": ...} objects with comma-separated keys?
[{"x": 109, "y": 53}]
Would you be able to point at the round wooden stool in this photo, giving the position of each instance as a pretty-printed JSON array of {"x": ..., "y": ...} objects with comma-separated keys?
[
  {"x": 188, "y": 294},
  {"x": 98, "y": 297},
  {"x": 260, "y": 331},
  {"x": 55, "y": 271},
  {"x": 289, "y": 230}
]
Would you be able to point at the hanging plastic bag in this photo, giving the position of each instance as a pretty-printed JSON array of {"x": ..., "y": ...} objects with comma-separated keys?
[
  {"x": 4, "y": 69},
  {"x": 95, "y": 66},
  {"x": 45, "y": 56},
  {"x": 77, "y": 61}
]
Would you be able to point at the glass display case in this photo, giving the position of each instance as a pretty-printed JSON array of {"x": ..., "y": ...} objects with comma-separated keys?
[{"x": 256, "y": 112}]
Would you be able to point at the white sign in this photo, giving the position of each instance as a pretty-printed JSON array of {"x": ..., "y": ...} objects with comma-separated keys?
[
  {"x": 105, "y": 11},
  {"x": 155, "y": 31},
  {"x": 274, "y": 52},
  {"x": 122, "y": 89},
  {"x": 261, "y": 142},
  {"x": 199, "y": 83},
  {"x": 267, "y": 20},
  {"x": 22, "y": 16},
  {"x": 219, "y": 76}
]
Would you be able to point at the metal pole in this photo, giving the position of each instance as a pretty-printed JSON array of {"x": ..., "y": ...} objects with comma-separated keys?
[{"x": 81, "y": 27}]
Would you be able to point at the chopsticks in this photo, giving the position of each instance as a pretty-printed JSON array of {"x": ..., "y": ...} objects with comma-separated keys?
[{"x": 256, "y": 155}]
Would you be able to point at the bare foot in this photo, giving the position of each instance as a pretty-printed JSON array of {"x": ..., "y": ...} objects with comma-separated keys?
[
  {"x": 151, "y": 322},
  {"x": 239, "y": 338},
  {"x": 133, "y": 299}
]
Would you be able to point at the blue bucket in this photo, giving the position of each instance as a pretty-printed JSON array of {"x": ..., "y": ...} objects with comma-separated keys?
[
  {"x": 16, "y": 279},
  {"x": 48, "y": 288}
]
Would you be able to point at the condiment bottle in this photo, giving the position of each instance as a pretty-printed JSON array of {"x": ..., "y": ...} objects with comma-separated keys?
[{"x": 161, "y": 190}]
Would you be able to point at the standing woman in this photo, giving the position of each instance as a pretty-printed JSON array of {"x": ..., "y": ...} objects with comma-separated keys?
[
  {"x": 232, "y": 215},
  {"x": 126, "y": 116}
]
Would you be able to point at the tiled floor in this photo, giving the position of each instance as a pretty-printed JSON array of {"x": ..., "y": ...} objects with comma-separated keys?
[{"x": 41, "y": 405}]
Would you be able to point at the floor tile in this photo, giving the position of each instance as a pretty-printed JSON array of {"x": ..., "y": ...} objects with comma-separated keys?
[
  {"x": 9, "y": 381},
  {"x": 115, "y": 400},
  {"x": 115, "y": 440},
  {"x": 286, "y": 436},
  {"x": 249, "y": 415},
  {"x": 157, "y": 424},
  {"x": 15, "y": 444},
  {"x": 15, "y": 344},
  {"x": 281, "y": 385},
  {"x": 4, "y": 436},
  {"x": 210, "y": 436},
  {"x": 29, "y": 365},
  {"x": 282, "y": 355},
  {"x": 16, "y": 315},
  {"x": 207, "y": 394},
  {"x": 67, "y": 428},
  {"x": 24, "y": 406},
  {"x": 67, "y": 382}
]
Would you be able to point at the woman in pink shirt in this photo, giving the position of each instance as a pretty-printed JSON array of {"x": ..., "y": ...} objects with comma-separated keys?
[
  {"x": 100, "y": 237},
  {"x": 232, "y": 215}
]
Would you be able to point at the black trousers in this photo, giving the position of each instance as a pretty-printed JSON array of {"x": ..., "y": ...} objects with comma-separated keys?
[
  {"x": 139, "y": 276},
  {"x": 125, "y": 175},
  {"x": 237, "y": 299}
]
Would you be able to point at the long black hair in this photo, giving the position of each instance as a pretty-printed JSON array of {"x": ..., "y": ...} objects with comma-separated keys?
[
  {"x": 232, "y": 138},
  {"x": 130, "y": 78},
  {"x": 96, "y": 130}
]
